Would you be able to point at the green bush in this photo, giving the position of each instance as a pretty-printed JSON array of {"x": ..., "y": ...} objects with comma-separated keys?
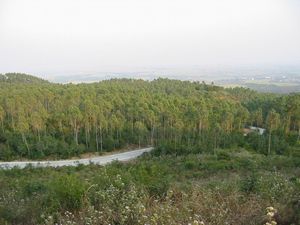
[
  {"x": 274, "y": 187},
  {"x": 124, "y": 200},
  {"x": 249, "y": 184},
  {"x": 33, "y": 187},
  {"x": 66, "y": 192},
  {"x": 5, "y": 152},
  {"x": 222, "y": 154},
  {"x": 153, "y": 177},
  {"x": 190, "y": 164}
]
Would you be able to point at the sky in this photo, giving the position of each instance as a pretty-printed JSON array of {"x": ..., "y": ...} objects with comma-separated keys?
[{"x": 59, "y": 36}]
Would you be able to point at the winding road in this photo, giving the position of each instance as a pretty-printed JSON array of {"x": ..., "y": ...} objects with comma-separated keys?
[{"x": 99, "y": 160}]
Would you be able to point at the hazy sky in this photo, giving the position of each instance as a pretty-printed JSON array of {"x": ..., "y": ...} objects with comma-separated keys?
[{"x": 54, "y": 36}]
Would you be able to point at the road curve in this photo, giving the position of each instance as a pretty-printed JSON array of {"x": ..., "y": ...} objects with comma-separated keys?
[{"x": 99, "y": 160}]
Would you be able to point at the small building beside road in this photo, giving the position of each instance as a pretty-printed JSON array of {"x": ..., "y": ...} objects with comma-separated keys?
[{"x": 252, "y": 129}]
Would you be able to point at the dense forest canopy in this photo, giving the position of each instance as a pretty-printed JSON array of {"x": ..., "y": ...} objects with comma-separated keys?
[{"x": 39, "y": 118}]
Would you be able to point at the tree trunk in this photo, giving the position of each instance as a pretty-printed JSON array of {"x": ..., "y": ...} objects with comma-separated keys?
[
  {"x": 118, "y": 141},
  {"x": 96, "y": 134},
  {"x": 26, "y": 144},
  {"x": 87, "y": 137},
  {"x": 164, "y": 130},
  {"x": 75, "y": 132},
  {"x": 175, "y": 140},
  {"x": 12, "y": 123},
  {"x": 269, "y": 145},
  {"x": 139, "y": 141},
  {"x": 152, "y": 135},
  {"x": 132, "y": 126},
  {"x": 2, "y": 126},
  {"x": 39, "y": 136},
  {"x": 76, "y": 136},
  {"x": 200, "y": 127},
  {"x": 101, "y": 139}
]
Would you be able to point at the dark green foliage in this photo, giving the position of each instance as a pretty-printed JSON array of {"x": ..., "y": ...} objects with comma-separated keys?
[
  {"x": 222, "y": 155},
  {"x": 153, "y": 177},
  {"x": 249, "y": 184},
  {"x": 33, "y": 188},
  {"x": 66, "y": 192}
]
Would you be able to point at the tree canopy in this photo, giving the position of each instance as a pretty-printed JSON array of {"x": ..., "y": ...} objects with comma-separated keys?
[{"x": 40, "y": 119}]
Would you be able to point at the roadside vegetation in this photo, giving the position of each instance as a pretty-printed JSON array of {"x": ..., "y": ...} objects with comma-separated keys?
[{"x": 232, "y": 186}]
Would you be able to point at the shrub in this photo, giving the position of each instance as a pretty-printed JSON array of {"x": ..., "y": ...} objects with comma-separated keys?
[
  {"x": 124, "y": 201},
  {"x": 222, "y": 154},
  {"x": 274, "y": 186},
  {"x": 153, "y": 177},
  {"x": 249, "y": 184},
  {"x": 5, "y": 152},
  {"x": 33, "y": 187},
  {"x": 190, "y": 164},
  {"x": 66, "y": 192}
]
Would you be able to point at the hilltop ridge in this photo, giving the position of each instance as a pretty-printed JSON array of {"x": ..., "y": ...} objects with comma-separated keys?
[{"x": 21, "y": 78}]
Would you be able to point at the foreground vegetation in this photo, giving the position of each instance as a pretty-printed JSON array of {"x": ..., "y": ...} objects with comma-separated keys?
[{"x": 232, "y": 186}]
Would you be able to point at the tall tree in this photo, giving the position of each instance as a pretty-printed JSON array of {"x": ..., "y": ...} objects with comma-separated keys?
[
  {"x": 2, "y": 115},
  {"x": 273, "y": 123},
  {"x": 75, "y": 117}
]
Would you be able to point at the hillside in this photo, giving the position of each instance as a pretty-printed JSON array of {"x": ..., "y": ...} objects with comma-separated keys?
[
  {"x": 21, "y": 78},
  {"x": 53, "y": 120}
]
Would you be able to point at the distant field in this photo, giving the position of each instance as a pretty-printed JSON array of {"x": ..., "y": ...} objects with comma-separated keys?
[
  {"x": 266, "y": 86},
  {"x": 269, "y": 82},
  {"x": 274, "y": 88}
]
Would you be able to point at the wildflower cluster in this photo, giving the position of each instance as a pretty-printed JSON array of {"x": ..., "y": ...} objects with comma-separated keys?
[
  {"x": 275, "y": 186},
  {"x": 270, "y": 216}
]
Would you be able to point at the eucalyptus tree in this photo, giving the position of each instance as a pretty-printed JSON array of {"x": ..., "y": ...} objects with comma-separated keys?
[
  {"x": 88, "y": 117},
  {"x": 101, "y": 124},
  {"x": 22, "y": 126},
  {"x": 273, "y": 119},
  {"x": 75, "y": 120},
  {"x": 140, "y": 130},
  {"x": 2, "y": 117},
  {"x": 241, "y": 117},
  {"x": 293, "y": 110}
]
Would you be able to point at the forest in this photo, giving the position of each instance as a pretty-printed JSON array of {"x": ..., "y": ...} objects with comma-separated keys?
[
  {"x": 207, "y": 167},
  {"x": 40, "y": 119}
]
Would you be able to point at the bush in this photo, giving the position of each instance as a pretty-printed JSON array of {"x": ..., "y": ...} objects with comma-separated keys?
[
  {"x": 33, "y": 187},
  {"x": 124, "y": 201},
  {"x": 5, "y": 152},
  {"x": 190, "y": 164},
  {"x": 222, "y": 154},
  {"x": 66, "y": 192},
  {"x": 274, "y": 187},
  {"x": 249, "y": 184},
  {"x": 153, "y": 177}
]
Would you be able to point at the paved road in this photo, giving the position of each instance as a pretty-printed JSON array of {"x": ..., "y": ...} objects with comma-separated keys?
[{"x": 100, "y": 160}]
